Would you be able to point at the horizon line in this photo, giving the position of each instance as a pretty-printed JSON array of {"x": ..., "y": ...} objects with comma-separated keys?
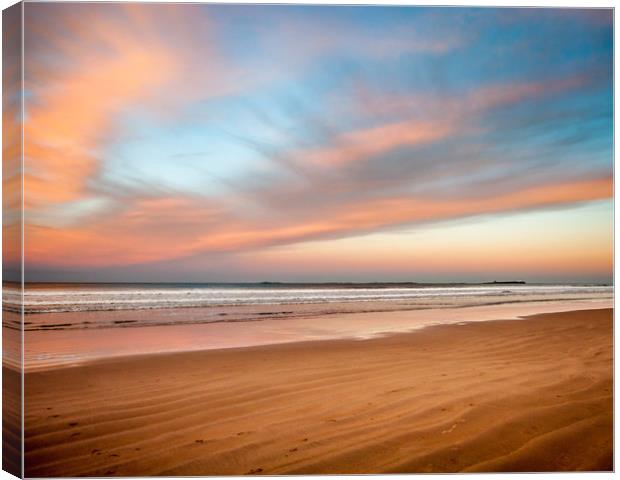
[{"x": 325, "y": 283}]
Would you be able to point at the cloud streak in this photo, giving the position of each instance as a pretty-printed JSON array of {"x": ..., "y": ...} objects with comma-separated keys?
[{"x": 136, "y": 235}]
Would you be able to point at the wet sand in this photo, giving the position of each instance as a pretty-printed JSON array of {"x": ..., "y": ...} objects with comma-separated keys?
[
  {"x": 514, "y": 395},
  {"x": 50, "y": 348}
]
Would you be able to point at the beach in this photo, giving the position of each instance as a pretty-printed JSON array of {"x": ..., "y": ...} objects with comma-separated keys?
[
  {"x": 263, "y": 239},
  {"x": 530, "y": 394}
]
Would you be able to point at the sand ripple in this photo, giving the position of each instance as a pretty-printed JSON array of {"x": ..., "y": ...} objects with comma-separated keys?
[{"x": 532, "y": 395}]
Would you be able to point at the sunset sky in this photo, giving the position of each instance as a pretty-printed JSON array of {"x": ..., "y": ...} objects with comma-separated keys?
[{"x": 290, "y": 143}]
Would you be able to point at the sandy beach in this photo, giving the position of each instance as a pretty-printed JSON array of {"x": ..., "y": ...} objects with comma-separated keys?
[
  {"x": 515, "y": 395},
  {"x": 260, "y": 239}
]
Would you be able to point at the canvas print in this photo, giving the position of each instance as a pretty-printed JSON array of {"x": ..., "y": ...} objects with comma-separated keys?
[{"x": 302, "y": 239}]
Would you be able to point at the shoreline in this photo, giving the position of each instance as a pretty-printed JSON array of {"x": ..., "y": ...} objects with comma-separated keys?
[
  {"x": 387, "y": 306},
  {"x": 405, "y": 322},
  {"x": 509, "y": 395}
]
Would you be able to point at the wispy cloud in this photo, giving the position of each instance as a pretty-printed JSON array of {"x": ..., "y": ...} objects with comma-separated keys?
[{"x": 135, "y": 235}]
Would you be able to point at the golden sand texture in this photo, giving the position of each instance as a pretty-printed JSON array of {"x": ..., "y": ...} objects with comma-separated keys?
[{"x": 517, "y": 395}]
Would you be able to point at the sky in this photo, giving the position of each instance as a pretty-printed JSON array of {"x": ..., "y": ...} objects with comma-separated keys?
[{"x": 239, "y": 143}]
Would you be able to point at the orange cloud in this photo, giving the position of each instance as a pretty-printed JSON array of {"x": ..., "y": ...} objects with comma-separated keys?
[
  {"x": 164, "y": 229},
  {"x": 404, "y": 209},
  {"x": 74, "y": 108},
  {"x": 445, "y": 116},
  {"x": 126, "y": 57},
  {"x": 365, "y": 143}
]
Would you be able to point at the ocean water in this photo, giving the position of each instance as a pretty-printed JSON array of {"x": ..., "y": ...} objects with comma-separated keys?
[
  {"x": 47, "y": 298},
  {"x": 237, "y": 302}
]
